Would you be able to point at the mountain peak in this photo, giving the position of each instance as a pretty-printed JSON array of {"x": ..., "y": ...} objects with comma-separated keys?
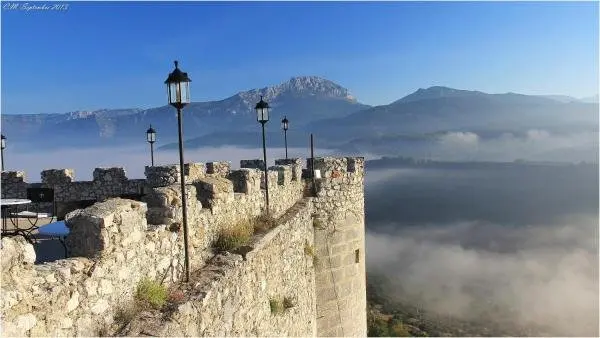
[
  {"x": 300, "y": 86},
  {"x": 436, "y": 92}
]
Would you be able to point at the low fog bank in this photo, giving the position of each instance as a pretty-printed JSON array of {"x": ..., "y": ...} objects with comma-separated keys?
[
  {"x": 517, "y": 246},
  {"x": 541, "y": 275},
  {"x": 532, "y": 144},
  {"x": 133, "y": 159}
]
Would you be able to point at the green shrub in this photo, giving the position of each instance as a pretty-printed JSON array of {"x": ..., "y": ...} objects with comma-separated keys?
[
  {"x": 276, "y": 306},
  {"x": 151, "y": 293},
  {"x": 235, "y": 236},
  {"x": 377, "y": 326},
  {"x": 397, "y": 329}
]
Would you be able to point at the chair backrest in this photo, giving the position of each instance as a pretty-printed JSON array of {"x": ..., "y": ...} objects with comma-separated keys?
[{"x": 40, "y": 195}]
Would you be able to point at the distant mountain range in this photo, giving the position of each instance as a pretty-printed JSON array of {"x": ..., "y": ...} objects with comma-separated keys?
[
  {"x": 315, "y": 105},
  {"x": 303, "y": 99}
]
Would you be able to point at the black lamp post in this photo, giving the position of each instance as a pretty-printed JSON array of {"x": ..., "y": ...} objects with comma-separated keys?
[
  {"x": 285, "y": 125},
  {"x": 151, "y": 137},
  {"x": 262, "y": 116},
  {"x": 3, "y": 144},
  {"x": 178, "y": 90}
]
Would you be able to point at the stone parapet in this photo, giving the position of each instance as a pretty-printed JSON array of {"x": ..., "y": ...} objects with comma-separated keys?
[
  {"x": 253, "y": 164},
  {"x": 13, "y": 184},
  {"x": 221, "y": 169},
  {"x": 110, "y": 175},
  {"x": 194, "y": 171},
  {"x": 53, "y": 177},
  {"x": 81, "y": 296},
  {"x": 162, "y": 176}
]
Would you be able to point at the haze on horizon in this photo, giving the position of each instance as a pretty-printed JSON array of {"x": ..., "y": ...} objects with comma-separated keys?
[{"x": 116, "y": 59}]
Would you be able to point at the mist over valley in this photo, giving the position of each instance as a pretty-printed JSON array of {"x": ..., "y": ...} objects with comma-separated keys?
[{"x": 511, "y": 249}]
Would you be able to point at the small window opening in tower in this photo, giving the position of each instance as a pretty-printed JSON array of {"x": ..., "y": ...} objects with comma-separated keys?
[{"x": 357, "y": 255}]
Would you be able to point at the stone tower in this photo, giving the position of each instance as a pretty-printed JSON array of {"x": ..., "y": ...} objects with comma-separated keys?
[{"x": 340, "y": 247}]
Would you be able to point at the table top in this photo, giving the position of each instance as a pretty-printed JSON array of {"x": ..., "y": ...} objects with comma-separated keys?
[
  {"x": 14, "y": 201},
  {"x": 54, "y": 229}
]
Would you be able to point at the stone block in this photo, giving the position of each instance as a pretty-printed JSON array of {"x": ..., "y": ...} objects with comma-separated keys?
[
  {"x": 12, "y": 177},
  {"x": 253, "y": 164},
  {"x": 89, "y": 235},
  {"x": 284, "y": 174},
  {"x": 221, "y": 169},
  {"x": 246, "y": 180},
  {"x": 356, "y": 164},
  {"x": 194, "y": 171},
  {"x": 273, "y": 179},
  {"x": 110, "y": 175},
  {"x": 162, "y": 176},
  {"x": 16, "y": 251},
  {"x": 211, "y": 190},
  {"x": 53, "y": 177},
  {"x": 330, "y": 167}
]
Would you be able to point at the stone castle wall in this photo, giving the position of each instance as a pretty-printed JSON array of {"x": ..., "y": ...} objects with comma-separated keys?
[
  {"x": 340, "y": 246},
  {"x": 118, "y": 242},
  {"x": 113, "y": 248},
  {"x": 232, "y": 293}
]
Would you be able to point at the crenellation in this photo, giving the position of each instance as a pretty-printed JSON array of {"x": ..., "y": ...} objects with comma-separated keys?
[
  {"x": 253, "y": 164},
  {"x": 52, "y": 177},
  {"x": 273, "y": 179},
  {"x": 14, "y": 184},
  {"x": 356, "y": 164},
  {"x": 119, "y": 241},
  {"x": 295, "y": 163},
  {"x": 162, "y": 176},
  {"x": 194, "y": 171},
  {"x": 214, "y": 190},
  {"x": 245, "y": 180},
  {"x": 109, "y": 175},
  {"x": 284, "y": 174},
  {"x": 222, "y": 168}
]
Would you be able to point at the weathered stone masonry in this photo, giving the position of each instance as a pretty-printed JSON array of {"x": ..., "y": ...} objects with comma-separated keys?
[
  {"x": 115, "y": 243},
  {"x": 340, "y": 245}
]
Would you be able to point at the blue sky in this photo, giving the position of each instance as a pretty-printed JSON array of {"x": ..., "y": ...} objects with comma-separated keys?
[{"x": 117, "y": 54}]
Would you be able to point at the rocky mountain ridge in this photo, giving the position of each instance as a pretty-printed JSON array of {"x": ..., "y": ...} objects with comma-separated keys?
[{"x": 303, "y": 99}]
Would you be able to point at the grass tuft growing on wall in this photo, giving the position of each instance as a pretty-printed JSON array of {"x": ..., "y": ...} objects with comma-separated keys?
[
  {"x": 234, "y": 236},
  {"x": 276, "y": 306},
  {"x": 152, "y": 293}
]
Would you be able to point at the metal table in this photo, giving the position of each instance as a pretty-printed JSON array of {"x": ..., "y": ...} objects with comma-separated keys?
[
  {"x": 56, "y": 230},
  {"x": 5, "y": 205}
]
